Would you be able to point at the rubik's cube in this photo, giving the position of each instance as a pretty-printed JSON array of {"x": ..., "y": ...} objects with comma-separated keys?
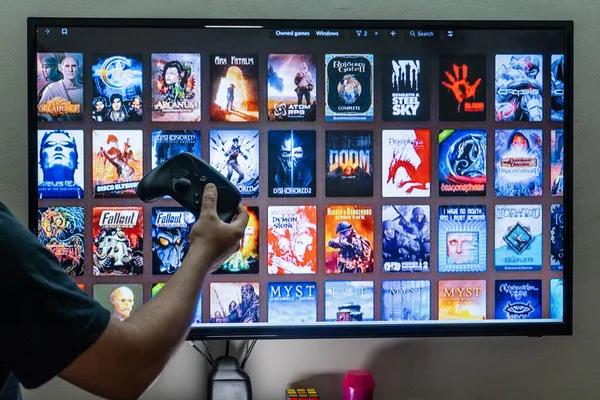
[{"x": 302, "y": 394}]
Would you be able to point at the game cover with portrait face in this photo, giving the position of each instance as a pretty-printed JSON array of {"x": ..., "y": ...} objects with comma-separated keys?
[
  {"x": 406, "y": 300},
  {"x": 121, "y": 300},
  {"x": 462, "y": 239},
  {"x": 176, "y": 87},
  {"x": 519, "y": 170},
  {"x": 349, "y": 245},
  {"x": 117, "y": 88},
  {"x": 349, "y": 301},
  {"x": 292, "y": 302},
  {"x": 234, "y": 302},
  {"x": 349, "y": 87},
  {"x": 292, "y": 87},
  {"x": 519, "y": 87},
  {"x": 170, "y": 230},
  {"x": 462, "y": 300},
  {"x": 61, "y": 163},
  {"x": 117, "y": 163},
  {"x": 405, "y": 163},
  {"x": 292, "y": 163},
  {"x": 406, "y": 241},
  {"x": 60, "y": 230},
  {"x": 462, "y": 162},
  {"x": 234, "y": 88},
  {"x": 156, "y": 288},
  {"x": 557, "y": 159},
  {"x": 462, "y": 88},
  {"x": 518, "y": 242},
  {"x": 349, "y": 163},
  {"x": 406, "y": 90},
  {"x": 518, "y": 299},
  {"x": 236, "y": 154},
  {"x": 245, "y": 260},
  {"x": 59, "y": 87},
  {"x": 557, "y": 80},
  {"x": 118, "y": 241},
  {"x": 168, "y": 144},
  {"x": 557, "y": 237},
  {"x": 292, "y": 240}
]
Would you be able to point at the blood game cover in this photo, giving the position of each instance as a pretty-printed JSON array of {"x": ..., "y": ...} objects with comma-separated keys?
[
  {"x": 60, "y": 87},
  {"x": 118, "y": 241},
  {"x": 292, "y": 87},
  {"x": 60, "y": 230},
  {"x": 292, "y": 240}
]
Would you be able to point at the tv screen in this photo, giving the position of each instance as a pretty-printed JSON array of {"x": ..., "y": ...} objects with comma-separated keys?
[{"x": 402, "y": 178}]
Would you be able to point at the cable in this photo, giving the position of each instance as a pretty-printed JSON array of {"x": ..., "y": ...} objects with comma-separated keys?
[
  {"x": 209, "y": 360},
  {"x": 248, "y": 352},
  {"x": 227, "y": 348}
]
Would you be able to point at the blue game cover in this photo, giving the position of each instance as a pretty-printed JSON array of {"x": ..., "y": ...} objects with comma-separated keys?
[
  {"x": 292, "y": 302},
  {"x": 348, "y": 301},
  {"x": 406, "y": 300},
  {"x": 518, "y": 299},
  {"x": 462, "y": 239},
  {"x": 518, "y": 239}
]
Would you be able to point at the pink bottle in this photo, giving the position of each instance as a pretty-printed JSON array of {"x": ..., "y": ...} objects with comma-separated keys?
[{"x": 358, "y": 385}]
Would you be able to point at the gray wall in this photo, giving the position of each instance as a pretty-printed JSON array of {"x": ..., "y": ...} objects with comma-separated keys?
[{"x": 453, "y": 368}]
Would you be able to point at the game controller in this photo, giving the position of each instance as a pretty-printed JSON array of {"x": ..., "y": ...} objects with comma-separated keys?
[{"x": 183, "y": 177}]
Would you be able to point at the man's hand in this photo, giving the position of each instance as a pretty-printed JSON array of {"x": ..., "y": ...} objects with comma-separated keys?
[{"x": 217, "y": 240}]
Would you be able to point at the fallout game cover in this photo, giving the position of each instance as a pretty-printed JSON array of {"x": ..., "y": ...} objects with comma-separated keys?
[
  {"x": 61, "y": 161},
  {"x": 234, "y": 88},
  {"x": 518, "y": 245},
  {"x": 292, "y": 163},
  {"x": 462, "y": 162},
  {"x": 462, "y": 88},
  {"x": 245, "y": 260},
  {"x": 405, "y": 90},
  {"x": 59, "y": 87},
  {"x": 349, "y": 301},
  {"x": 518, "y": 299},
  {"x": 462, "y": 300},
  {"x": 292, "y": 302},
  {"x": 349, "y": 87},
  {"x": 237, "y": 302},
  {"x": 118, "y": 241},
  {"x": 349, "y": 164},
  {"x": 406, "y": 301},
  {"x": 292, "y": 87},
  {"x": 171, "y": 228},
  {"x": 406, "y": 241}
]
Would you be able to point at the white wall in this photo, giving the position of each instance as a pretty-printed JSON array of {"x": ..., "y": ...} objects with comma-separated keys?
[{"x": 454, "y": 368}]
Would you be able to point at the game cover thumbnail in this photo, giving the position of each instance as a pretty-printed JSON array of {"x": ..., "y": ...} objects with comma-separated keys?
[
  {"x": 60, "y": 230},
  {"x": 292, "y": 240},
  {"x": 556, "y": 298},
  {"x": 235, "y": 302},
  {"x": 245, "y": 260},
  {"x": 292, "y": 87},
  {"x": 236, "y": 155},
  {"x": 406, "y": 90},
  {"x": 462, "y": 162},
  {"x": 518, "y": 299},
  {"x": 167, "y": 144},
  {"x": 170, "y": 230},
  {"x": 519, "y": 169},
  {"x": 557, "y": 79},
  {"x": 234, "y": 88},
  {"x": 518, "y": 245},
  {"x": 462, "y": 88},
  {"x": 117, "y": 89},
  {"x": 60, "y": 164},
  {"x": 462, "y": 300},
  {"x": 406, "y": 301},
  {"x": 557, "y": 159},
  {"x": 292, "y": 163},
  {"x": 120, "y": 299},
  {"x": 118, "y": 240},
  {"x": 349, "y": 301},
  {"x": 406, "y": 241},
  {"x": 349, "y": 164},
  {"x": 156, "y": 287},
  {"x": 349, "y": 87},
  {"x": 292, "y": 302},
  {"x": 462, "y": 239},
  {"x": 519, "y": 87},
  {"x": 405, "y": 163},
  {"x": 176, "y": 87},
  {"x": 557, "y": 237},
  {"x": 59, "y": 87},
  {"x": 349, "y": 245},
  {"x": 117, "y": 163}
]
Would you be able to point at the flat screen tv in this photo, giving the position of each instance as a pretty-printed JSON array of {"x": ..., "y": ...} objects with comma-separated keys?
[{"x": 403, "y": 178}]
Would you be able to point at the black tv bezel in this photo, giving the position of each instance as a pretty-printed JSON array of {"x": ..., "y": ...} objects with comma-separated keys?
[{"x": 249, "y": 331}]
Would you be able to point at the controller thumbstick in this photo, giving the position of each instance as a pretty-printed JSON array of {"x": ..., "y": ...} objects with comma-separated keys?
[{"x": 182, "y": 185}]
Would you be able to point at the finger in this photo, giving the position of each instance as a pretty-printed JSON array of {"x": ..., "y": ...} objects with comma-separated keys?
[{"x": 209, "y": 200}]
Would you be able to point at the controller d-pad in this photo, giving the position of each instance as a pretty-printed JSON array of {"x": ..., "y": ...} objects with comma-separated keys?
[{"x": 181, "y": 166}]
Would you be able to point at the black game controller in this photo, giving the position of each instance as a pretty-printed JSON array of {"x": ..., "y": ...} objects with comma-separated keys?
[{"x": 183, "y": 177}]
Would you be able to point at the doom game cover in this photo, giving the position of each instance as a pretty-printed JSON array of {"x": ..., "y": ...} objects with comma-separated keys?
[{"x": 292, "y": 87}]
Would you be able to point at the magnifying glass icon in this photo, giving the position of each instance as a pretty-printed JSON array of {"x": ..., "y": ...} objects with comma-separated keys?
[{"x": 412, "y": 33}]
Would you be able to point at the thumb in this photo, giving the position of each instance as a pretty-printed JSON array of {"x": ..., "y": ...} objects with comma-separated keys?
[{"x": 209, "y": 199}]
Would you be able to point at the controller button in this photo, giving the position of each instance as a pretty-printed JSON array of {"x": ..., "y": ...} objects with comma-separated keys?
[
  {"x": 182, "y": 185},
  {"x": 181, "y": 166}
]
